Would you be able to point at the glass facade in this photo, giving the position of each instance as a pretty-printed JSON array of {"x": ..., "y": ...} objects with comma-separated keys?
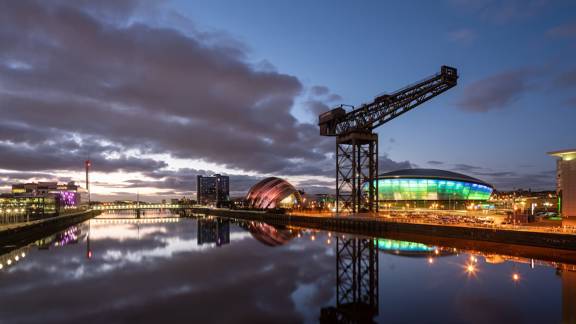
[
  {"x": 430, "y": 189},
  {"x": 36, "y": 205}
]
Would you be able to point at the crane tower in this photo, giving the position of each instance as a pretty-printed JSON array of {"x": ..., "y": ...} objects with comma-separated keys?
[{"x": 357, "y": 144}]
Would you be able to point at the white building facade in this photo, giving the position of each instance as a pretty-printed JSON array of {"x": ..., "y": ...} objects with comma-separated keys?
[{"x": 566, "y": 183}]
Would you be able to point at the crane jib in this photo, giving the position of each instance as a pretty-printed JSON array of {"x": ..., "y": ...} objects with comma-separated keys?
[{"x": 386, "y": 106}]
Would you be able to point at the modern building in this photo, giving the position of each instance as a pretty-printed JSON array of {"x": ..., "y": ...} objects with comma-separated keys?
[
  {"x": 33, "y": 205},
  {"x": 69, "y": 194},
  {"x": 273, "y": 193},
  {"x": 566, "y": 183},
  {"x": 430, "y": 188},
  {"x": 214, "y": 190}
]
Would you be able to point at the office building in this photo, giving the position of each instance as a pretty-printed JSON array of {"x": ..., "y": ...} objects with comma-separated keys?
[{"x": 213, "y": 191}]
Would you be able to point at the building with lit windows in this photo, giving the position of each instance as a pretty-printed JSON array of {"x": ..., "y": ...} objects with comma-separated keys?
[
  {"x": 430, "y": 188},
  {"x": 566, "y": 183},
  {"x": 69, "y": 194},
  {"x": 273, "y": 193},
  {"x": 214, "y": 190},
  {"x": 26, "y": 204}
]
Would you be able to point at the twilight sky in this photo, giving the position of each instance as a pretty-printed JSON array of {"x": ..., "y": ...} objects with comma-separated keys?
[{"x": 155, "y": 92}]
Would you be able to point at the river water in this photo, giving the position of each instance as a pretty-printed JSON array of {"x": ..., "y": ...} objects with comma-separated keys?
[{"x": 164, "y": 269}]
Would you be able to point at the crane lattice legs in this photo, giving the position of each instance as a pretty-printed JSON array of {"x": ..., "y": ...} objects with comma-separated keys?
[{"x": 356, "y": 166}]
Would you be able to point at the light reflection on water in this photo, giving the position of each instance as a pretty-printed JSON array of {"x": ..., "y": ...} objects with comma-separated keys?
[{"x": 163, "y": 268}]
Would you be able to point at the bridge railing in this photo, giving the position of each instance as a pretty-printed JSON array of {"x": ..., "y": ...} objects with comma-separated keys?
[{"x": 141, "y": 206}]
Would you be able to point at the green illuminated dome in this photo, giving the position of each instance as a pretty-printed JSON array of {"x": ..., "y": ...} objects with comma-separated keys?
[{"x": 431, "y": 184}]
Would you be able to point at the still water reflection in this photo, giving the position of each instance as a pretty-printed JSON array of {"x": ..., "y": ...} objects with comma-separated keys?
[{"x": 162, "y": 268}]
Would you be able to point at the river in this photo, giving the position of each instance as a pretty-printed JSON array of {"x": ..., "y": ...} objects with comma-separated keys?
[{"x": 162, "y": 269}]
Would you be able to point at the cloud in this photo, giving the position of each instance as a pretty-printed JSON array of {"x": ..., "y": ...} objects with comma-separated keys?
[
  {"x": 504, "y": 11},
  {"x": 544, "y": 180},
  {"x": 99, "y": 72},
  {"x": 435, "y": 162},
  {"x": 319, "y": 99},
  {"x": 510, "y": 180},
  {"x": 495, "y": 92},
  {"x": 319, "y": 90},
  {"x": 566, "y": 79},
  {"x": 316, "y": 107},
  {"x": 385, "y": 164},
  {"x": 183, "y": 181},
  {"x": 566, "y": 30},
  {"x": 464, "y": 35},
  {"x": 465, "y": 167}
]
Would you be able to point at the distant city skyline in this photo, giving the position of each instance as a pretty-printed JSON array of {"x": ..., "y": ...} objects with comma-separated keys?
[{"x": 158, "y": 92}]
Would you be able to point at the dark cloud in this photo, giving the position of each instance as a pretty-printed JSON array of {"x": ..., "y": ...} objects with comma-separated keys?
[
  {"x": 567, "y": 79},
  {"x": 495, "y": 92},
  {"x": 513, "y": 180},
  {"x": 566, "y": 30},
  {"x": 465, "y": 167},
  {"x": 95, "y": 71},
  {"x": 435, "y": 162},
  {"x": 319, "y": 100},
  {"x": 61, "y": 154},
  {"x": 510, "y": 180},
  {"x": 314, "y": 186},
  {"x": 317, "y": 107},
  {"x": 503, "y": 11},
  {"x": 333, "y": 97},
  {"x": 497, "y": 174},
  {"x": 319, "y": 90},
  {"x": 183, "y": 181},
  {"x": 385, "y": 164}
]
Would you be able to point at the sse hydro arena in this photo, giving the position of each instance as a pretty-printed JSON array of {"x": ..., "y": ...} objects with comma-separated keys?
[{"x": 430, "y": 189}]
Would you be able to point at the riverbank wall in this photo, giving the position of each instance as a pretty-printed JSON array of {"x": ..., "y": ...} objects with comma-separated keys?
[
  {"x": 25, "y": 233},
  {"x": 380, "y": 227}
]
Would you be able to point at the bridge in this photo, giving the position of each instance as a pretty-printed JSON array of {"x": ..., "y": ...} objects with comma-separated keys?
[
  {"x": 139, "y": 206},
  {"x": 132, "y": 220}
]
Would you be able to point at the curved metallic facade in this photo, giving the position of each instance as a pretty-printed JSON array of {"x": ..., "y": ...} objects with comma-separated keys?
[
  {"x": 429, "y": 184},
  {"x": 273, "y": 193}
]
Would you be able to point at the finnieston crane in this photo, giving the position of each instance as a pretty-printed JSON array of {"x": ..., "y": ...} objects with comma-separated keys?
[{"x": 357, "y": 144}]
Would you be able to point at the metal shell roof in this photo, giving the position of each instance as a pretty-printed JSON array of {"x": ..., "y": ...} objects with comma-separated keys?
[
  {"x": 432, "y": 174},
  {"x": 268, "y": 192}
]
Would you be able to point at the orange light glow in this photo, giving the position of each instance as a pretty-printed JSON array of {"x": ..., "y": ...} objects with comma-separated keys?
[{"x": 471, "y": 269}]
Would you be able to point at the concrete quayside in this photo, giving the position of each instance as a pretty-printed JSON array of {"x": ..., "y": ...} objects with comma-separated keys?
[
  {"x": 27, "y": 232},
  {"x": 381, "y": 227}
]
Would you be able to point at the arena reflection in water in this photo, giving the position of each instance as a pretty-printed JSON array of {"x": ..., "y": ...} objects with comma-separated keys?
[{"x": 152, "y": 269}]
